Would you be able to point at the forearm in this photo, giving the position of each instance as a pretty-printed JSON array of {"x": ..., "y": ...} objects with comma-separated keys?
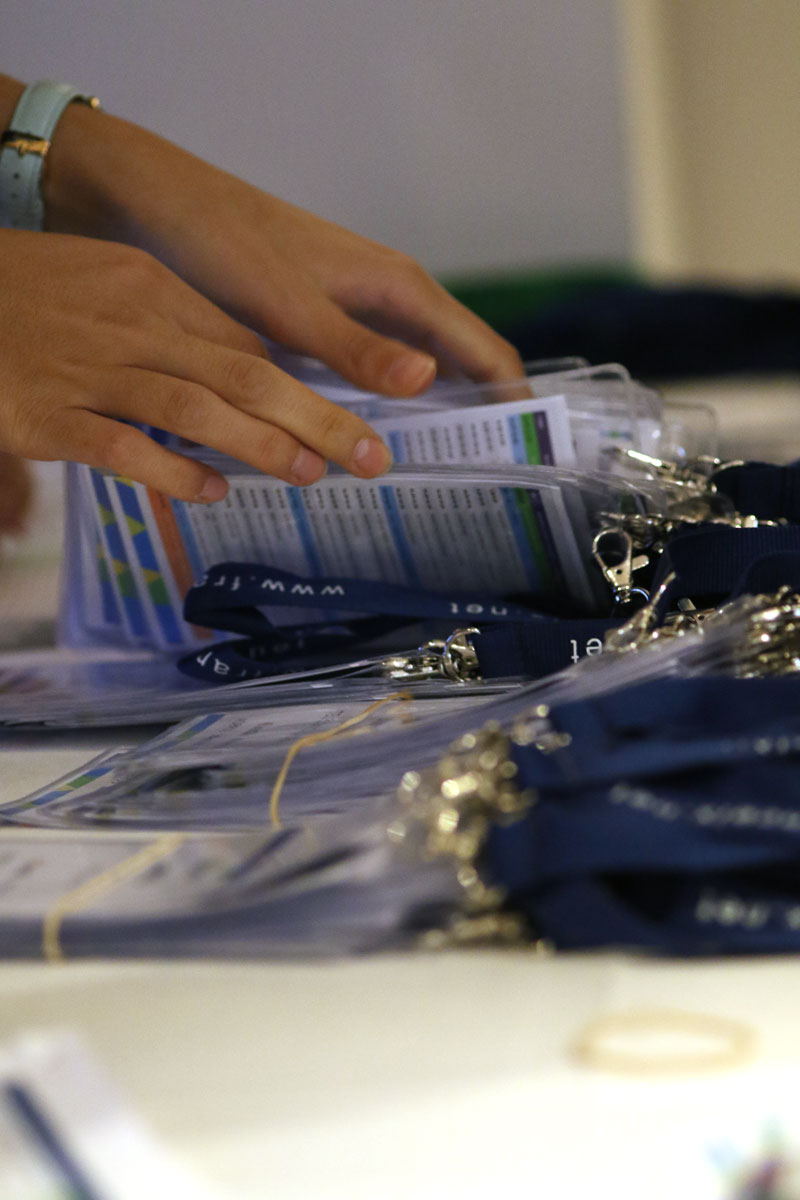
[{"x": 298, "y": 279}]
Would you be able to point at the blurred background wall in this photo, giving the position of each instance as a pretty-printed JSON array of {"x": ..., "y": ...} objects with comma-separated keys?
[
  {"x": 470, "y": 133},
  {"x": 713, "y": 136},
  {"x": 474, "y": 134}
]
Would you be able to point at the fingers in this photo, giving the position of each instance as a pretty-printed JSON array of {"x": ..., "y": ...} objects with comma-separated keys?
[
  {"x": 261, "y": 416},
  {"x": 402, "y": 297},
  {"x": 368, "y": 359},
  {"x": 413, "y": 307},
  {"x": 431, "y": 315},
  {"x": 192, "y": 411},
  {"x": 103, "y": 442}
]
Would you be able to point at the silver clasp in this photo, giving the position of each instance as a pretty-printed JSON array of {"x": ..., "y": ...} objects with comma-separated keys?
[
  {"x": 612, "y": 550},
  {"x": 751, "y": 636},
  {"x": 445, "y": 814},
  {"x": 693, "y": 473},
  {"x": 453, "y": 658},
  {"x": 695, "y": 498}
]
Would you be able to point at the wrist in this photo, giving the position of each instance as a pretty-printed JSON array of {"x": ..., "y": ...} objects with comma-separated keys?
[
  {"x": 74, "y": 190},
  {"x": 25, "y": 146},
  {"x": 75, "y": 170},
  {"x": 103, "y": 178}
]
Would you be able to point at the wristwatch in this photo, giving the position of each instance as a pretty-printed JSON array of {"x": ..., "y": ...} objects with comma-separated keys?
[{"x": 24, "y": 146}]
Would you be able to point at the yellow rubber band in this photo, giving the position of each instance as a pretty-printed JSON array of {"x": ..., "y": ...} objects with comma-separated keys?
[
  {"x": 84, "y": 895},
  {"x": 311, "y": 739}
]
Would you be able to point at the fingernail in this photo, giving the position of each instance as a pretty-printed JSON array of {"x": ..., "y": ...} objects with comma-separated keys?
[
  {"x": 371, "y": 457},
  {"x": 412, "y": 372},
  {"x": 307, "y": 468},
  {"x": 215, "y": 488}
]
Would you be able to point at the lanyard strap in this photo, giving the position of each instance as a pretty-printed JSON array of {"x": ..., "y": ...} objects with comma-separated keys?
[
  {"x": 538, "y": 648},
  {"x": 714, "y": 561},
  {"x": 233, "y": 596},
  {"x": 671, "y": 823},
  {"x": 509, "y": 651},
  {"x": 769, "y": 492},
  {"x": 752, "y": 912},
  {"x": 296, "y": 650},
  {"x": 510, "y": 640},
  {"x": 664, "y": 727}
]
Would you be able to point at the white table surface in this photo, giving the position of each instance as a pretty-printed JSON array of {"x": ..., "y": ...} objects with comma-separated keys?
[{"x": 447, "y": 1075}]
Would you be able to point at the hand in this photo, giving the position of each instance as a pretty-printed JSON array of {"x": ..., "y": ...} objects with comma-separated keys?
[
  {"x": 94, "y": 334},
  {"x": 310, "y": 285}
]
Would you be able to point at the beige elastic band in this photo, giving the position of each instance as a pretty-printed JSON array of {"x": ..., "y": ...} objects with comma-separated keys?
[
  {"x": 601, "y": 1043},
  {"x": 311, "y": 739},
  {"x": 84, "y": 895}
]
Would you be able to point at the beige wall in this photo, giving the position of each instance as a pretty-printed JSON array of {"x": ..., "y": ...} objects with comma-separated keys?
[{"x": 713, "y": 104}]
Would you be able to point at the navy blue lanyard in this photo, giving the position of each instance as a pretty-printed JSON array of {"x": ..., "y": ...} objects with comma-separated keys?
[
  {"x": 708, "y": 564},
  {"x": 661, "y": 727},
  {"x": 670, "y": 820},
  {"x": 508, "y": 651},
  {"x": 233, "y": 593},
  {"x": 512, "y": 640},
  {"x": 712, "y": 561},
  {"x": 768, "y": 492}
]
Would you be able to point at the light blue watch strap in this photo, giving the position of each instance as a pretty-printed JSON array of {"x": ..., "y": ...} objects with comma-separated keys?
[{"x": 24, "y": 146}]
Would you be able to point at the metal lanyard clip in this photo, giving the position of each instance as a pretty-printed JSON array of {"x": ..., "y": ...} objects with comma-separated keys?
[
  {"x": 695, "y": 473},
  {"x": 764, "y": 631},
  {"x": 454, "y": 658},
  {"x": 612, "y": 550}
]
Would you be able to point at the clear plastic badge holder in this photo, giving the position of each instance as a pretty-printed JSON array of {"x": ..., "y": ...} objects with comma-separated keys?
[
  {"x": 523, "y": 530},
  {"x": 131, "y": 555},
  {"x": 338, "y": 888},
  {"x": 100, "y": 689},
  {"x": 328, "y": 383},
  {"x": 220, "y": 772},
  {"x": 616, "y": 406},
  {"x": 330, "y": 886}
]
